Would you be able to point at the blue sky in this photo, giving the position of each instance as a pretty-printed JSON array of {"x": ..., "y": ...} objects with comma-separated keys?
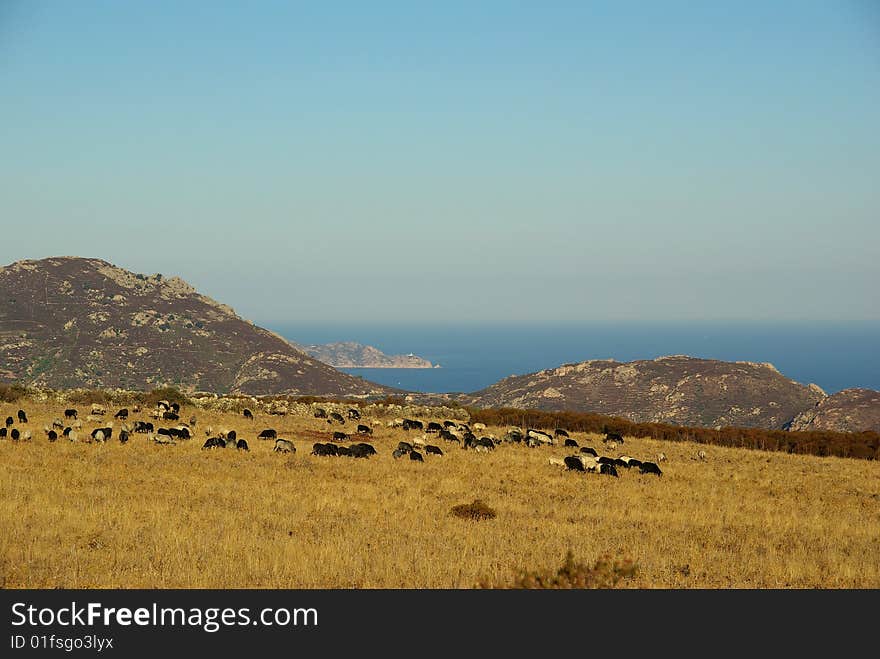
[{"x": 455, "y": 161}]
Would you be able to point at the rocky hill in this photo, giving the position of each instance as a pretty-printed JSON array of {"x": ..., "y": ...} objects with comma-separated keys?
[
  {"x": 677, "y": 389},
  {"x": 349, "y": 354},
  {"x": 846, "y": 411},
  {"x": 74, "y": 322}
]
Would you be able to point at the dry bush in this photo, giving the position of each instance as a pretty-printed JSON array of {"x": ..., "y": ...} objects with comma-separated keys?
[
  {"x": 606, "y": 572},
  {"x": 863, "y": 444},
  {"x": 171, "y": 394},
  {"x": 475, "y": 510},
  {"x": 9, "y": 393}
]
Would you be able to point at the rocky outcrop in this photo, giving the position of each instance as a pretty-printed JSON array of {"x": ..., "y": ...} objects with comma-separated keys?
[
  {"x": 678, "y": 389},
  {"x": 849, "y": 410}
]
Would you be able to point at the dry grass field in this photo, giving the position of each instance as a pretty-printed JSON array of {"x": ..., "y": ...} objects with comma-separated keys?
[{"x": 144, "y": 515}]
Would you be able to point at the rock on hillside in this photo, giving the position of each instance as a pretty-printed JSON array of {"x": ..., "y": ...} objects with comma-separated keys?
[
  {"x": 349, "y": 354},
  {"x": 74, "y": 322},
  {"x": 678, "y": 389},
  {"x": 849, "y": 410}
]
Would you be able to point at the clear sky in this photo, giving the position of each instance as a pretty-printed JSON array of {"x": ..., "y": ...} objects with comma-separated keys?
[{"x": 456, "y": 161}]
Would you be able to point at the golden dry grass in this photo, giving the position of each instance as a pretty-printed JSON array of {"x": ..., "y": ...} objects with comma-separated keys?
[{"x": 142, "y": 515}]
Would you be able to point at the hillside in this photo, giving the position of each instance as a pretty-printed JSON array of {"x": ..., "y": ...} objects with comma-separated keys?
[
  {"x": 75, "y": 322},
  {"x": 349, "y": 354},
  {"x": 846, "y": 411},
  {"x": 677, "y": 389}
]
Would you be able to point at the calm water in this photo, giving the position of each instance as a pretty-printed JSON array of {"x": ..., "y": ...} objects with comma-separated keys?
[{"x": 472, "y": 357}]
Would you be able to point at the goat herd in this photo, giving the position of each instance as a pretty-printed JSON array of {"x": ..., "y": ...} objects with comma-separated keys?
[{"x": 586, "y": 459}]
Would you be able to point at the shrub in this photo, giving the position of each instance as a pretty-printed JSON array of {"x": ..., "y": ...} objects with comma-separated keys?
[
  {"x": 89, "y": 396},
  {"x": 864, "y": 444},
  {"x": 606, "y": 572},
  {"x": 476, "y": 510},
  {"x": 9, "y": 393},
  {"x": 171, "y": 394}
]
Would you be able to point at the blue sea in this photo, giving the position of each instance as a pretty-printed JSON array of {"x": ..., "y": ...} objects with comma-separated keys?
[{"x": 833, "y": 356}]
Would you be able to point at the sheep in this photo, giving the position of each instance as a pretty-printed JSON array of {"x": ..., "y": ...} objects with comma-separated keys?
[
  {"x": 557, "y": 462},
  {"x": 284, "y": 446},
  {"x": 361, "y": 450},
  {"x": 574, "y": 463},
  {"x": 701, "y": 454},
  {"x": 661, "y": 457},
  {"x": 166, "y": 439},
  {"x": 540, "y": 436},
  {"x": 449, "y": 436},
  {"x": 323, "y": 449}
]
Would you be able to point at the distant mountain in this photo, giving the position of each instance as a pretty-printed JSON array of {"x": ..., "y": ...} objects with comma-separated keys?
[
  {"x": 846, "y": 411},
  {"x": 678, "y": 389},
  {"x": 349, "y": 354},
  {"x": 77, "y": 322}
]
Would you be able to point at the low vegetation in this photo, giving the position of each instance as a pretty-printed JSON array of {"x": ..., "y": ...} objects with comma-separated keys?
[
  {"x": 114, "y": 397},
  {"x": 865, "y": 445},
  {"x": 606, "y": 572},
  {"x": 476, "y": 510},
  {"x": 145, "y": 515},
  {"x": 9, "y": 393}
]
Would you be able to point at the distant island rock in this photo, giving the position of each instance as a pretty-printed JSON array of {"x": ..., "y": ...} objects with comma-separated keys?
[
  {"x": 677, "y": 389},
  {"x": 349, "y": 354},
  {"x": 70, "y": 322}
]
